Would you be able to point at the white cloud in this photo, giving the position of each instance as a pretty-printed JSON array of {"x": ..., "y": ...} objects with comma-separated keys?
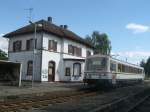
[
  {"x": 1, "y": 34},
  {"x": 3, "y": 43},
  {"x": 137, "y": 28},
  {"x": 133, "y": 56}
]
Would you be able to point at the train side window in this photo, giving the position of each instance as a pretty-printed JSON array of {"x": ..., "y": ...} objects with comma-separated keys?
[
  {"x": 127, "y": 69},
  {"x": 123, "y": 68},
  {"x": 112, "y": 67},
  {"x": 119, "y": 67}
]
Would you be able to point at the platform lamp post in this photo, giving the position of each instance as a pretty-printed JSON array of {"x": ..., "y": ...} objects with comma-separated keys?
[{"x": 34, "y": 48}]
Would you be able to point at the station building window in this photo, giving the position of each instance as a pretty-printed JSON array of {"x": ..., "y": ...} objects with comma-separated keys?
[
  {"x": 67, "y": 71},
  {"x": 76, "y": 51},
  {"x": 17, "y": 46},
  {"x": 30, "y": 44},
  {"x": 76, "y": 69},
  {"x": 52, "y": 45}
]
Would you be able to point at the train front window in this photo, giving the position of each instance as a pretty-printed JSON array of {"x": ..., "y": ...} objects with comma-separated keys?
[{"x": 96, "y": 64}]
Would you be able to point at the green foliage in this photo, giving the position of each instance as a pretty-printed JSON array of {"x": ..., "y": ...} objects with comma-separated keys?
[
  {"x": 3, "y": 55},
  {"x": 142, "y": 63},
  {"x": 101, "y": 43},
  {"x": 146, "y": 66}
]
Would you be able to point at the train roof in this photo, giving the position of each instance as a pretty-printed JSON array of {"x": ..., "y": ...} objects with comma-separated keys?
[
  {"x": 126, "y": 63},
  {"x": 98, "y": 55}
]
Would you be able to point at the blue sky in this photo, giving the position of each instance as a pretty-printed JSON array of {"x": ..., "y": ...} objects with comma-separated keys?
[{"x": 126, "y": 22}]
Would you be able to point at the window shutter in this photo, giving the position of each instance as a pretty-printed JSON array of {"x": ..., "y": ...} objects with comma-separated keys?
[
  {"x": 20, "y": 43},
  {"x": 55, "y": 46},
  {"x": 80, "y": 51},
  {"x": 32, "y": 44},
  {"x": 70, "y": 49},
  {"x": 35, "y": 43},
  {"x": 49, "y": 45},
  {"x": 27, "y": 45},
  {"x": 14, "y": 43},
  {"x": 74, "y": 50}
]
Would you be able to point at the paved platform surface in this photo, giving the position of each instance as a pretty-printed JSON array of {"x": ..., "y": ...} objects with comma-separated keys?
[{"x": 6, "y": 91}]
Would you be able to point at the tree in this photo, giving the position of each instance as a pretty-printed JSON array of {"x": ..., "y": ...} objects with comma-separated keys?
[
  {"x": 3, "y": 55},
  {"x": 143, "y": 63},
  {"x": 146, "y": 66},
  {"x": 101, "y": 43}
]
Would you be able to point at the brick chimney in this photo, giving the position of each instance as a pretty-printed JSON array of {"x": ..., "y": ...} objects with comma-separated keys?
[{"x": 65, "y": 26}]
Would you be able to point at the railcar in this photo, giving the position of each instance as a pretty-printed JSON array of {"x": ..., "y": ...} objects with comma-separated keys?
[{"x": 105, "y": 70}]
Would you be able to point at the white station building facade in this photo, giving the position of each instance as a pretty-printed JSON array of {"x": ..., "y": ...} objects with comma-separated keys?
[{"x": 59, "y": 53}]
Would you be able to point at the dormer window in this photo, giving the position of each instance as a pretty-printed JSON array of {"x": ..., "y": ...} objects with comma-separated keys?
[
  {"x": 52, "y": 46},
  {"x": 17, "y": 46}
]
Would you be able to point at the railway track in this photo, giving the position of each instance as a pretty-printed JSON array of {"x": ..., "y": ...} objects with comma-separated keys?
[
  {"x": 142, "y": 106},
  {"x": 42, "y": 101},
  {"x": 138, "y": 102},
  {"x": 46, "y": 100}
]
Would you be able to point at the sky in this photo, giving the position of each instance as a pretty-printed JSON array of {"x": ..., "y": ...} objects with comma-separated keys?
[{"x": 126, "y": 22}]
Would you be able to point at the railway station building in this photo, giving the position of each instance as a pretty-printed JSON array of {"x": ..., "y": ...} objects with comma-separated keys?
[{"x": 58, "y": 54}]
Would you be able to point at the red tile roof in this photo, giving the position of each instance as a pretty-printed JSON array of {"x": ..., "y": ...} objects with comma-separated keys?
[{"x": 49, "y": 28}]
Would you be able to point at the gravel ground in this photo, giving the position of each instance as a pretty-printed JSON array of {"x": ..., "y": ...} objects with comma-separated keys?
[
  {"x": 6, "y": 91},
  {"x": 87, "y": 104}
]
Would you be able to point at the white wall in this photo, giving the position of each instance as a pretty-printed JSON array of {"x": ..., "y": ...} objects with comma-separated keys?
[
  {"x": 44, "y": 56},
  {"x": 24, "y": 56},
  {"x": 84, "y": 49},
  {"x": 47, "y": 37},
  {"x": 51, "y": 56},
  {"x": 57, "y": 57},
  {"x": 71, "y": 77},
  {"x": 24, "y": 38}
]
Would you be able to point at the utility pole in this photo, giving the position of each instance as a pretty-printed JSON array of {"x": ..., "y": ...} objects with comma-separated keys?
[
  {"x": 34, "y": 48},
  {"x": 30, "y": 10},
  {"x": 36, "y": 25}
]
